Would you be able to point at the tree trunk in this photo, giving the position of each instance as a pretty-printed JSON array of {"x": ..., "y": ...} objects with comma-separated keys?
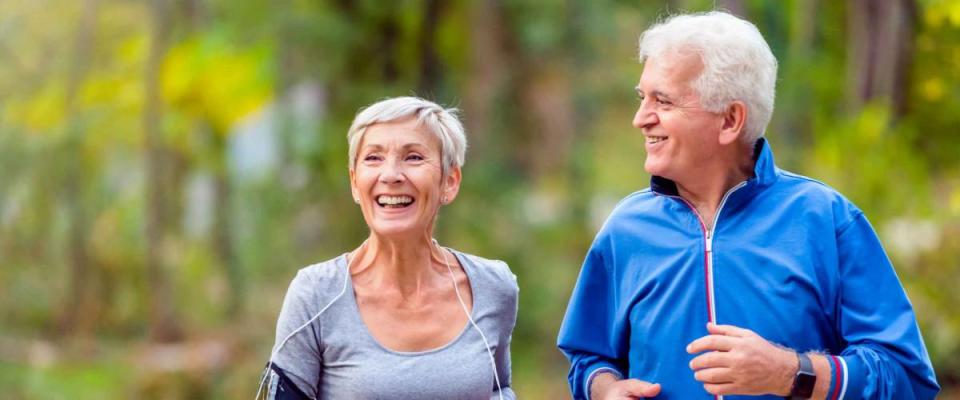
[
  {"x": 76, "y": 318},
  {"x": 429, "y": 79},
  {"x": 880, "y": 49},
  {"x": 389, "y": 31},
  {"x": 164, "y": 326},
  {"x": 795, "y": 94},
  {"x": 735, "y": 7},
  {"x": 904, "y": 36},
  {"x": 222, "y": 227},
  {"x": 488, "y": 71}
]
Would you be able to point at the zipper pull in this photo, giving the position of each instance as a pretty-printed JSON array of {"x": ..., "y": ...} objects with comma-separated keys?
[{"x": 710, "y": 241}]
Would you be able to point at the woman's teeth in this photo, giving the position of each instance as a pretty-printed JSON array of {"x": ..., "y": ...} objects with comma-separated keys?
[{"x": 394, "y": 201}]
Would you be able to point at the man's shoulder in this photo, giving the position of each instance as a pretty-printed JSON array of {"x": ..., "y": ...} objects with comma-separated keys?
[
  {"x": 637, "y": 207},
  {"x": 808, "y": 186},
  {"x": 639, "y": 201},
  {"x": 812, "y": 194}
]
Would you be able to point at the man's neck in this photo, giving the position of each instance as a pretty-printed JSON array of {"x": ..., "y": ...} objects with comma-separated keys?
[{"x": 707, "y": 190}]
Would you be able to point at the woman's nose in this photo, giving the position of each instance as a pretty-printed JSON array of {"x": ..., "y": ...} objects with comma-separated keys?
[{"x": 392, "y": 173}]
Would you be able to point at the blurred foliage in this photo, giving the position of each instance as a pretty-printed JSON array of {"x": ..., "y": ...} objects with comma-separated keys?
[{"x": 257, "y": 96}]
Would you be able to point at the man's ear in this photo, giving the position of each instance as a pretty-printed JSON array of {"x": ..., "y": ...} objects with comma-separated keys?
[
  {"x": 734, "y": 120},
  {"x": 451, "y": 185}
]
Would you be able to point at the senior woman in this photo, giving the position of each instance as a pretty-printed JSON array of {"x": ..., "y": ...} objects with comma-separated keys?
[{"x": 399, "y": 316}]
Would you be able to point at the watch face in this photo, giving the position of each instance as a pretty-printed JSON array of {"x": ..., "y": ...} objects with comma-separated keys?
[{"x": 804, "y": 385}]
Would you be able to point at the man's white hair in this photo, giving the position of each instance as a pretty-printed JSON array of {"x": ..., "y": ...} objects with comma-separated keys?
[
  {"x": 737, "y": 62},
  {"x": 441, "y": 122}
]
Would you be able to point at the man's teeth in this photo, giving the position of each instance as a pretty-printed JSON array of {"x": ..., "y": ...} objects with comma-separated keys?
[
  {"x": 394, "y": 200},
  {"x": 655, "y": 139}
]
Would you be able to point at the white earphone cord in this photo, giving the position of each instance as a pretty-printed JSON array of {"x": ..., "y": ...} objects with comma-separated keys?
[
  {"x": 456, "y": 288},
  {"x": 496, "y": 377},
  {"x": 274, "y": 353}
]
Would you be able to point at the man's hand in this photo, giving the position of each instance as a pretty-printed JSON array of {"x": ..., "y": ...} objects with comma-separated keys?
[
  {"x": 738, "y": 361},
  {"x": 606, "y": 387}
]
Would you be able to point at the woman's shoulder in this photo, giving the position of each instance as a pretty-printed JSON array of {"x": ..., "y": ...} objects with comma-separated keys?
[
  {"x": 321, "y": 280},
  {"x": 325, "y": 270},
  {"x": 491, "y": 272}
]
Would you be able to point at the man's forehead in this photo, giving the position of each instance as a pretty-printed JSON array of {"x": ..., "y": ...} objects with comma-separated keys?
[{"x": 670, "y": 69}]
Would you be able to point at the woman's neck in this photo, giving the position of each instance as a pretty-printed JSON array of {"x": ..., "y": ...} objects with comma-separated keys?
[{"x": 402, "y": 264}]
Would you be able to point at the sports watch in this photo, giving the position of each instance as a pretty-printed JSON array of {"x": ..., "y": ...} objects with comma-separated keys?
[{"x": 805, "y": 380}]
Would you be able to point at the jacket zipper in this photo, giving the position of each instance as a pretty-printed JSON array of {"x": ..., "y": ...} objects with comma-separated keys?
[{"x": 708, "y": 252}]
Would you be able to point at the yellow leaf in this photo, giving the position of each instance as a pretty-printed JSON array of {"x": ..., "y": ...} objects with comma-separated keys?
[
  {"x": 955, "y": 202},
  {"x": 933, "y": 16},
  {"x": 44, "y": 112},
  {"x": 215, "y": 81},
  {"x": 932, "y": 89},
  {"x": 954, "y": 13}
]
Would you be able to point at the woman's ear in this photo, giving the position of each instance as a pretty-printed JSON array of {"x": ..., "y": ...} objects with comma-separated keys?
[
  {"x": 734, "y": 119},
  {"x": 451, "y": 185},
  {"x": 353, "y": 187}
]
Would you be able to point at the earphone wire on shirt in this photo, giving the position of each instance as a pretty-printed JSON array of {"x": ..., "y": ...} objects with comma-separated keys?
[
  {"x": 267, "y": 372},
  {"x": 346, "y": 281},
  {"x": 456, "y": 288}
]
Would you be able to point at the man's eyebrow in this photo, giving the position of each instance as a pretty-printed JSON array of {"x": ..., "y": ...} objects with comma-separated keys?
[
  {"x": 655, "y": 93},
  {"x": 660, "y": 95}
]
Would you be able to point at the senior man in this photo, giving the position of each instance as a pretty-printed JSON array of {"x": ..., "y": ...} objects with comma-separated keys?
[{"x": 730, "y": 277}]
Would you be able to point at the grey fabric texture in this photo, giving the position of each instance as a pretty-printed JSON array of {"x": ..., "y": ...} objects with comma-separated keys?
[{"x": 336, "y": 357}]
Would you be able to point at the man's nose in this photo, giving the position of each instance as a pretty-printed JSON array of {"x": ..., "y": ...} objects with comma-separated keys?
[{"x": 645, "y": 116}]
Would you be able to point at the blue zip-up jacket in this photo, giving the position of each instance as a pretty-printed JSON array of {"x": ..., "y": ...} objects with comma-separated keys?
[{"x": 788, "y": 258}]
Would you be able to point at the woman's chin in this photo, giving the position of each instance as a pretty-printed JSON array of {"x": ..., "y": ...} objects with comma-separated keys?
[{"x": 396, "y": 229}]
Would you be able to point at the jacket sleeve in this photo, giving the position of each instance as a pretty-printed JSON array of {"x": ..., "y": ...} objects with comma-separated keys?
[
  {"x": 884, "y": 357},
  {"x": 592, "y": 336}
]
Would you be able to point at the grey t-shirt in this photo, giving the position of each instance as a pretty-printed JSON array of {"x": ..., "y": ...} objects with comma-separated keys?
[{"x": 336, "y": 357}]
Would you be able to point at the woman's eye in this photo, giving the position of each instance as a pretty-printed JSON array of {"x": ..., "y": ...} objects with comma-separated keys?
[
  {"x": 371, "y": 157},
  {"x": 414, "y": 157}
]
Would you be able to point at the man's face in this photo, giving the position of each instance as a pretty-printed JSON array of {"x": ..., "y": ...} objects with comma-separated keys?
[{"x": 681, "y": 137}]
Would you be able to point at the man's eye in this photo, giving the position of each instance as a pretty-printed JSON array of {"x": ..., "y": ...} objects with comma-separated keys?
[{"x": 663, "y": 102}]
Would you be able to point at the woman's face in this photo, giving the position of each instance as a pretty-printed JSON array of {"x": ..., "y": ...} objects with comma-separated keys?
[{"x": 398, "y": 178}]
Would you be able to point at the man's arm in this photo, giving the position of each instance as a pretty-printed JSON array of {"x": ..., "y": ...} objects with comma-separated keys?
[
  {"x": 592, "y": 336},
  {"x": 885, "y": 357}
]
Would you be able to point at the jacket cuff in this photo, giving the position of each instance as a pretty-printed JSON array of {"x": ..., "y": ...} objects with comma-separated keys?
[
  {"x": 595, "y": 370},
  {"x": 847, "y": 377}
]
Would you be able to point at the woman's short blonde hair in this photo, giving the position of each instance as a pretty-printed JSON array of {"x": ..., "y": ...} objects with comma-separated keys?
[{"x": 442, "y": 122}]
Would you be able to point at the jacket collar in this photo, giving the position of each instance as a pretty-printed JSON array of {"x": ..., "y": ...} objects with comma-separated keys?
[{"x": 764, "y": 171}]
